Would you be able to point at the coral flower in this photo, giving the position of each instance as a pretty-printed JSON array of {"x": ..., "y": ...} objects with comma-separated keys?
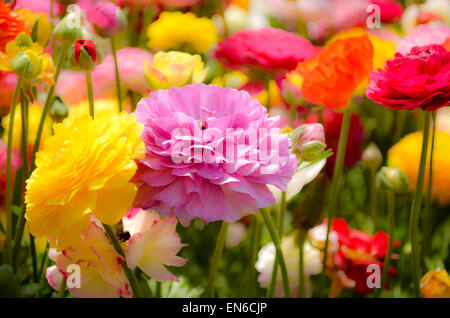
[
  {"x": 10, "y": 25},
  {"x": 357, "y": 250},
  {"x": 88, "y": 164},
  {"x": 264, "y": 49},
  {"x": 185, "y": 31},
  {"x": 174, "y": 69},
  {"x": 154, "y": 243},
  {"x": 405, "y": 155},
  {"x": 101, "y": 273},
  {"x": 208, "y": 154},
  {"x": 331, "y": 78},
  {"x": 419, "y": 79}
]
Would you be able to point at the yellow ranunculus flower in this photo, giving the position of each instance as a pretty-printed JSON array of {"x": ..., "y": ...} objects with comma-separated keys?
[
  {"x": 100, "y": 104},
  {"x": 43, "y": 28},
  {"x": 174, "y": 69},
  {"x": 34, "y": 117},
  {"x": 435, "y": 284},
  {"x": 182, "y": 31},
  {"x": 405, "y": 155},
  {"x": 84, "y": 168}
]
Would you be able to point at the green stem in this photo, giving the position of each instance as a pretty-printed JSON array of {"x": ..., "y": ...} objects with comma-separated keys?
[
  {"x": 48, "y": 103},
  {"x": 281, "y": 215},
  {"x": 373, "y": 198},
  {"x": 137, "y": 292},
  {"x": 301, "y": 265},
  {"x": 33, "y": 256},
  {"x": 9, "y": 214},
  {"x": 116, "y": 69},
  {"x": 416, "y": 207},
  {"x": 292, "y": 114},
  {"x": 158, "y": 290},
  {"x": 276, "y": 242},
  {"x": 90, "y": 92},
  {"x": 215, "y": 260},
  {"x": 427, "y": 219},
  {"x": 337, "y": 175},
  {"x": 62, "y": 289},
  {"x": 387, "y": 261},
  {"x": 24, "y": 144},
  {"x": 254, "y": 247},
  {"x": 44, "y": 263},
  {"x": 400, "y": 125}
]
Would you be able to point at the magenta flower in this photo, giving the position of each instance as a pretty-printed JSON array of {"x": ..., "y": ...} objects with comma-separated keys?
[
  {"x": 107, "y": 18},
  {"x": 210, "y": 153},
  {"x": 420, "y": 78}
]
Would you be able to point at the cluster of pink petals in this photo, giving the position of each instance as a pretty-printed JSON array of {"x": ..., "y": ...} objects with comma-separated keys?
[
  {"x": 264, "y": 49},
  {"x": 72, "y": 85},
  {"x": 169, "y": 3},
  {"x": 154, "y": 243},
  {"x": 390, "y": 9},
  {"x": 101, "y": 273},
  {"x": 222, "y": 190},
  {"x": 424, "y": 34},
  {"x": 15, "y": 164},
  {"x": 419, "y": 79},
  {"x": 43, "y": 6}
]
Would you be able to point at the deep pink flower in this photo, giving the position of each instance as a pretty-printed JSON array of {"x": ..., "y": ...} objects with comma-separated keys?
[
  {"x": 420, "y": 78},
  {"x": 390, "y": 10},
  {"x": 264, "y": 49},
  {"x": 210, "y": 153},
  {"x": 8, "y": 82}
]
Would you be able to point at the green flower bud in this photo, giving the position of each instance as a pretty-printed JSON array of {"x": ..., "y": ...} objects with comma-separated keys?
[
  {"x": 391, "y": 179},
  {"x": 312, "y": 202},
  {"x": 372, "y": 157},
  {"x": 27, "y": 64},
  {"x": 23, "y": 39},
  {"x": 59, "y": 109},
  {"x": 309, "y": 141},
  {"x": 69, "y": 29}
]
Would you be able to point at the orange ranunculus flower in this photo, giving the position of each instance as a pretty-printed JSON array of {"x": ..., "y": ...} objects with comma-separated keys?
[
  {"x": 331, "y": 77},
  {"x": 10, "y": 25}
]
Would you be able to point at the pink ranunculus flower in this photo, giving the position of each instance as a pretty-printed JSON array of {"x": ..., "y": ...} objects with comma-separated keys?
[
  {"x": 8, "y": 82},
  {"x": 72, "y": 85},
  {"x": 210, "y": 153},
  {"x": 265, "y": 49},
  {"x": 170, "y": 3},
  {"x": 390, "y": 9},
  {"x": 101, "y": 273},
  {"x": 106, "y": 18},
  {"x": 424, "y": 34},
  {"x": 153, "y": 245},
  {"x": 43, "y": 6},
  {"x": 419, "y": 79}
]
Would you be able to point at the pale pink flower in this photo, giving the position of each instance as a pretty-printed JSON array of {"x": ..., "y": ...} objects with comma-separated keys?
[
  {"x": 153, "y": 245},
  {"x": 424, "y": 34},
  {"x": 170, "y": 3},
  {"x": 101, "y": 273},
  {"x": 40, "y": 6}
]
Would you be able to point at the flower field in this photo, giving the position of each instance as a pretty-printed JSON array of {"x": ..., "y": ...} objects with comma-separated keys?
[{"x": 224, "y": 148}]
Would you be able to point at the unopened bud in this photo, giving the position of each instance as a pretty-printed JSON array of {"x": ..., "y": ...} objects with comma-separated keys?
[
  {"x": 391, "y": 179},
  {"x": 84, "y": 54},
  {"x": 69, "y": 29},
  {"x": 107, "y": 19},
  {"x": 309, "y": 141},
  {"x": 23, "y": 39},
  {"x": 309, "y": 211},
  {"x": 291, "y": 93},
  {"x": 372, "y": 157},
  {"x": 27, "y": 64},
  {"x": 59, "y": 109}
]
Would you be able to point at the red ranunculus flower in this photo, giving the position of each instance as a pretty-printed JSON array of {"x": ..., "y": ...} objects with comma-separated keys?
[
  {"x": 357, "y": 250},
  {"x": 264, "y": 49},
  {"x": 418, "y": 79}
]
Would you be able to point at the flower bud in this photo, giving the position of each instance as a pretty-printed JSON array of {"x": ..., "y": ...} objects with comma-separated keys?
[
  {"x": 309, "y": 141},
  {"x": 59, "y": 109},
  {"x": 372, "y": 157},
  {"x": 23, "y": 39},
  {"x": 41, "y": 30},
  {"x": 391, "y": 179},
  {"x": 107, "y": 19},
  {"x": 69, "y": 29},
  {"x": 27, "y": 64},
  {"x": 291, "y": 93},
  {"x": 84, "y": 54},
  {"x": 312, "y": 202},
  {"x": 435, "y": 284}
]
